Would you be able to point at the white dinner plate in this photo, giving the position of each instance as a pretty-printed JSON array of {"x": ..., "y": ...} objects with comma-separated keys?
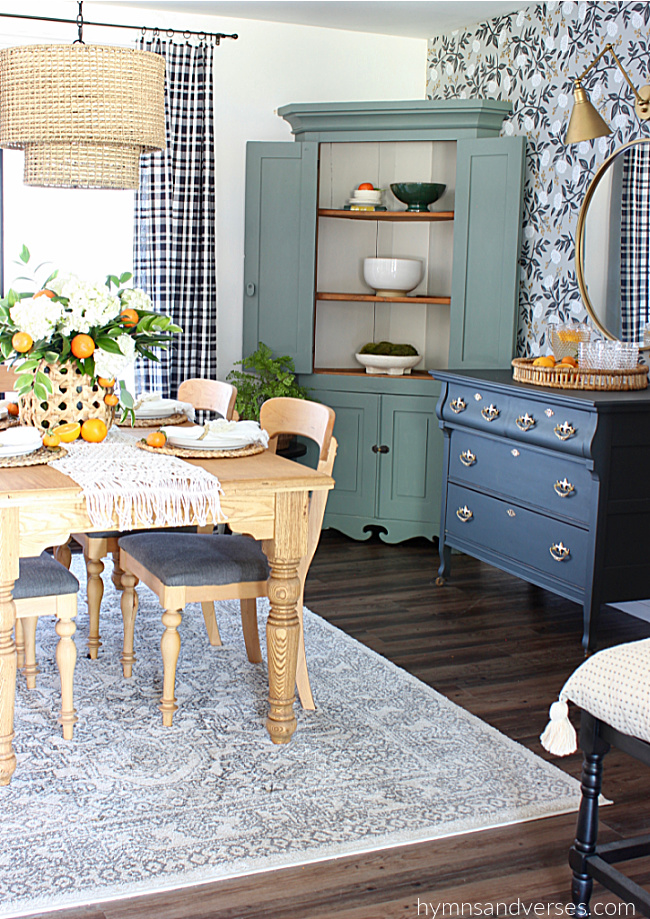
[
  {"x": 163, "y": 408},
  {"x": 190, "y": 441},
  {"x": 19, "y": 441}
]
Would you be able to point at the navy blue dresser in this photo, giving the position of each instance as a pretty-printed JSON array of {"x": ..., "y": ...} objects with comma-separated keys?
[{"x": 550, "y": 485}]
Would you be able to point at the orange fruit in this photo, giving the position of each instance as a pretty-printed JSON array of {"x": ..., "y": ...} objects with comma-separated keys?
[
  {"x": 547, "y": 361},
  {"x": 366, "y": 186},
  {"x": 13, "y": 409},
  {"x": 106, "y": 384},
  {"x": 21, "y": 342},
  {"x": 571, "y": 361},
  {"x": 82, "y": 346},
  {"x": 51, "y": 440},
  {"x": 67, "y": 432},
  {"x": 157, "y": 439},
  {"x": 129, "y": 318},
  {"x": 111, "y": 399},
  {"x": 94, "y": 430},
  {"x": 43, "y": 293}
]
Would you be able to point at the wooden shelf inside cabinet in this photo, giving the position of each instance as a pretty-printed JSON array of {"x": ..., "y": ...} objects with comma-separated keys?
[
  {"x": 370, "y": 298},
  {"x": 353, "y": 372},
  {"x": 407, "y": 216}
]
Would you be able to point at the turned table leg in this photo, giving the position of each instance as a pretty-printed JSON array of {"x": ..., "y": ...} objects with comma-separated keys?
[
  {"x": 283, "y": 625},
  {"x": 9, "y": 528}
]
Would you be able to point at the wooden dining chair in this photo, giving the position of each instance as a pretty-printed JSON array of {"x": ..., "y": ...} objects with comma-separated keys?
[
  {"x": 205, "y": 395},
  {"x": 199, "y": 567},
  {"x": 46, "y": 588}
]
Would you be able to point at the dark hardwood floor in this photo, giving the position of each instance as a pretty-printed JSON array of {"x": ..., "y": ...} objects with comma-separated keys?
[{"x": 501, "y": 649}]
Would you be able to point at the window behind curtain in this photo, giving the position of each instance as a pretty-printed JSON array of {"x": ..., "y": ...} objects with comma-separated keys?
[{"x": 86, "y": 231}]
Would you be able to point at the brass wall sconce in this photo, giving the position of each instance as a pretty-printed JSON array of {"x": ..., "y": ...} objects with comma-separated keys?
[{"x": 585, "y": 122}]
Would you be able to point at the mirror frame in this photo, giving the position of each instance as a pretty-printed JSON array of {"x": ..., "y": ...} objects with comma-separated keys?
[{"x": 580, "y": 238}]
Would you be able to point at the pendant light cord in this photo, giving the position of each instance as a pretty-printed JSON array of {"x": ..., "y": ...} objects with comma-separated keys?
[{"x": 80, "y": 25}]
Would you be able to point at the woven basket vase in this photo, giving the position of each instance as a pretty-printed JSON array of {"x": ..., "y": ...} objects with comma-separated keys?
[{"x": 75, "y": 397}]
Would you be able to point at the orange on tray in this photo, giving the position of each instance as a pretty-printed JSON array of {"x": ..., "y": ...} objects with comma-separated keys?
[{"x": 546, "y": 361}]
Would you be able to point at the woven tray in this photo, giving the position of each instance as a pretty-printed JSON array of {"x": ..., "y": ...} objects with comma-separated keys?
[
  {"x": 8, "y": 422},
  {"x": 178, "y": 418},
  {"x": 250, "y": 450},
  {"x": 37, "y": 458},
  {"x": 566, "y": 377}
]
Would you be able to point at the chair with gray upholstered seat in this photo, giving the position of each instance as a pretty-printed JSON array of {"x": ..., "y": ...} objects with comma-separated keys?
[
  {"x": 197, "y": 567},
  {"x": 46, "y": 588},
  {"x": 204, "y": 395}
]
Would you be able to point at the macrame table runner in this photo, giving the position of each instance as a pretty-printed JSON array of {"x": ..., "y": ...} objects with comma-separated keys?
[{"x": 142, "y": 488}]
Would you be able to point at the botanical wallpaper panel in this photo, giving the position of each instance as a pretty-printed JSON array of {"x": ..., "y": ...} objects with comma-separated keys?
[{"x": 531, "y": 58}]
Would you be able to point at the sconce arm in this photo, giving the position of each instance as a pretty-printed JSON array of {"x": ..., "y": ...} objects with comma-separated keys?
[{"x": 640, "y": 100}]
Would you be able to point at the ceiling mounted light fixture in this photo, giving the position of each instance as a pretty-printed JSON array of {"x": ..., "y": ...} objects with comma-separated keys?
[
  {"x": 585, "y": 122},
  {"x": 83, "y": 114}
]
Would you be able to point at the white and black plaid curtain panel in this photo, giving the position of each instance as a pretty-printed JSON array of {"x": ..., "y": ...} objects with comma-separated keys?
[
  {"x": 174, "y": 234},
  {"x": 635, "y": 243}
]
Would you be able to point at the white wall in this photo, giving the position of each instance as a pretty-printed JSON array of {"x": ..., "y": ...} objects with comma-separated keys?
[{"x": 271, "y": 64}]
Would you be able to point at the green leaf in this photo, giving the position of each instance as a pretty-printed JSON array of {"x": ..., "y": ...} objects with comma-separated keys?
[
  {"x": 40, "y": 392},
  {"x": 24, "y": 254},
  {"x": 125, "y": 396},
  {"x": 108, "y": 344},
  {"x": 125, "y": 277},
  {"x": 51, "y": 277},
  {"x": 112, "y": 279},
  {"x": 42, "y": 380}
]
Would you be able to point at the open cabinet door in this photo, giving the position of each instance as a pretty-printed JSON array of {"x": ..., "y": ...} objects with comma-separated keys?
[
  {"x": 280, "y": 249},
  {"x": 487, "y": 234}
]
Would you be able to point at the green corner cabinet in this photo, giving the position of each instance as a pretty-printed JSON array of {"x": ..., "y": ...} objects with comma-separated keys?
[{"x": 305, "y": 293}]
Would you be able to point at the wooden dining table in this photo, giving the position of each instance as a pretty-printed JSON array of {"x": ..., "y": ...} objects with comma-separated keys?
[{"x": 264, "y": 495}]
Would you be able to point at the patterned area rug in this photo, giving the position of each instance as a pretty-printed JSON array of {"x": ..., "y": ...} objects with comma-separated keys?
[{"x": 129, "y": 807}]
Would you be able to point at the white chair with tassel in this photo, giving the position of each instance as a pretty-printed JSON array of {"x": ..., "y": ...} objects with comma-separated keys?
[
  {"x": 203, "y": 395},
  {"x": 198, "y": 567},
  {"x": 612, "y": 688}
]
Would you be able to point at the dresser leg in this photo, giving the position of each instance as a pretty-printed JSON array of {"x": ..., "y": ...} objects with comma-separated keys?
[
  {"x": 590, "y": 616},
  {"x": 445, "y": 563}
]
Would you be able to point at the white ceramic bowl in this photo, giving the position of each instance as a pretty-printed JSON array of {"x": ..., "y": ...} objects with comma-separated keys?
[
  {"x": 389, "y": 364},
  {"x": 392, "y": 277},
  {"x": 367, "y": 194}
]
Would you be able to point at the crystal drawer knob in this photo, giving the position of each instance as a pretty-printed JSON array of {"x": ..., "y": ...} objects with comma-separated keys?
[
  {"x": 467, "y": 458},
  {"x": 458, "y": 405},
  {"x": 559, "y": 552},
  {"x": 564, "y": 430},
  {"x": 563, "y": 488},
  {"x": 464, "y": 514},
  {"x": 490, "y": 412},
  {"x": 525, "y": 422}
]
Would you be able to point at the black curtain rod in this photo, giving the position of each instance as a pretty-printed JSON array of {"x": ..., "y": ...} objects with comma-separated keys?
[{"x": 217, "y": 36}]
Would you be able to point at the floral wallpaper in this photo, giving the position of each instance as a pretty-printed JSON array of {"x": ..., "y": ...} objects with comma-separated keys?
[{"x": 531, "y": 58}]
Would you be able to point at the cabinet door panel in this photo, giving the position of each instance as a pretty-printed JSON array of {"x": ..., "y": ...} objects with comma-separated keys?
[
  {"x": 355, "y": 468},
  {"x": 487, "y": 226},
  {"x": 410, "y": 474},
  {"x": 280, "y": 249}
]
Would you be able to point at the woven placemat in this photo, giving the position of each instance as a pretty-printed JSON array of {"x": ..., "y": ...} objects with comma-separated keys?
[
  {"x": 250, "y": 450},
  {"x": 177, "y": 418},
  {"x": 37, "y": 458},
  {"x": 8, "y": 422}
]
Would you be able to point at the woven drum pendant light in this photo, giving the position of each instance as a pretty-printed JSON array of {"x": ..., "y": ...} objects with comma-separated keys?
[{"x": 83, "y": 114}]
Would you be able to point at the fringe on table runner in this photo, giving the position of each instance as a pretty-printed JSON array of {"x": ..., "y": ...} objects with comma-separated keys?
[{"x": 119, "y": 479}]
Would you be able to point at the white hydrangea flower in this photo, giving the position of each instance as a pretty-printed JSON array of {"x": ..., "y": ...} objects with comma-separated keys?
[
  {"x": 90, "y": 306},
  {"x": 36, "y": 317},
  {"x": 136, "y": 299},
  {"x": 113, "y": 365}
]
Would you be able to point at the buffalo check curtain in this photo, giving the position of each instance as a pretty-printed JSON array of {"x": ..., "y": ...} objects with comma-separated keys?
[
  {"x": 635, "y": 243},
  {"x": 174, "y": 234}
]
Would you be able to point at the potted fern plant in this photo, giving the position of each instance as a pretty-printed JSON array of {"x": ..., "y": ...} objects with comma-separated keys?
[{"x": 263, "y": 376}]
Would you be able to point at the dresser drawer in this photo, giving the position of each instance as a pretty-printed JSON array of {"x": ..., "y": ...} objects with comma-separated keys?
[
  {"x": 543, "y": 544},
  {"x": 557, "y": 484},
  {"x": 521, "y": 416}
]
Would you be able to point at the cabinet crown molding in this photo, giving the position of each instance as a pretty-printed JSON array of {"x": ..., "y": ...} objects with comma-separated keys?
[{"x": 421, "y": 118}]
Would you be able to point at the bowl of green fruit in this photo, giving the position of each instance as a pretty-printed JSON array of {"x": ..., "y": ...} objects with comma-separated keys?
[{"x": 388, "y": 358}]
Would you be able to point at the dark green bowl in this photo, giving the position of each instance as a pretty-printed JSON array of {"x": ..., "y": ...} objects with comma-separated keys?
[{"x": 417, "y": 195}]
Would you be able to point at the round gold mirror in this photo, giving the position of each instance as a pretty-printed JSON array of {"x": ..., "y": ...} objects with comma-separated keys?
[{"x": 613, "y": 244}]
